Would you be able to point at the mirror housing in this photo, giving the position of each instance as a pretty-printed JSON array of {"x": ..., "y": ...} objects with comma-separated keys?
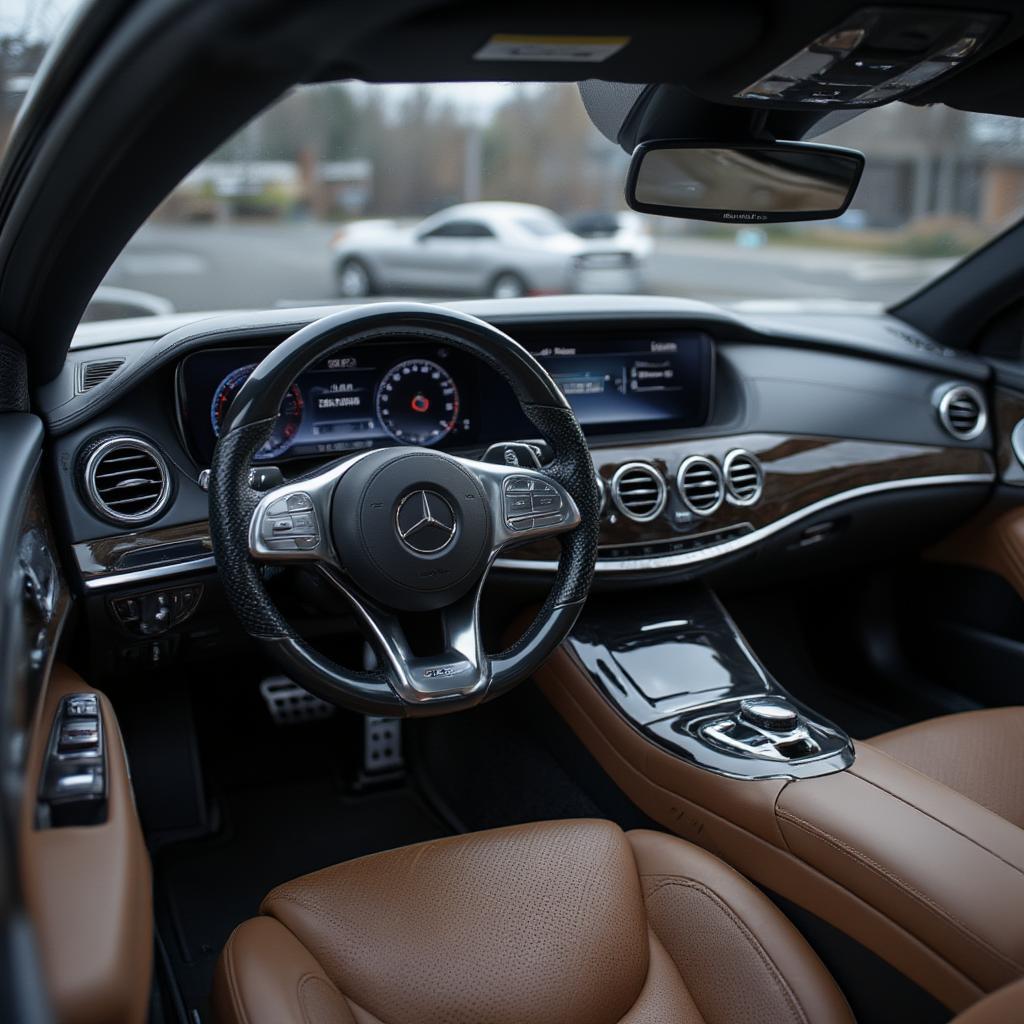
[{"x": 742, "y": 183}]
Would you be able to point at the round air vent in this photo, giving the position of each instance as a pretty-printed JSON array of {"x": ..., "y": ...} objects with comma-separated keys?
[
  {"x": 744, "y": 478},
  {"x": 962, "y": 412},
  {"x": 700, "y": 485},
  {"x": 639, "y": 491},
  {"x": 126, "y": 480}
]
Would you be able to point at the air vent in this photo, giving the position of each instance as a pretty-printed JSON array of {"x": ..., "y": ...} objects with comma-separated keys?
[
  {"x": 962, "y": 412},
  {"x": 127, "y": 480},
  {"x": 700, "y": 485},
  {"x": 639, "y": 491},
  {"x": 744, "y": 479},
  {"x": 96, "y": 372}
]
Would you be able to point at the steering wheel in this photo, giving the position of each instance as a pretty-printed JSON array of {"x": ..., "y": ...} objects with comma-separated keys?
[{"x": 404, "y": 529}]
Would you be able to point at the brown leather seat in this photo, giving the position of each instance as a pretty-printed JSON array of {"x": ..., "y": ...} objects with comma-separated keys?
[
  {"x": 977, "y": 753},
  {"x": 570, "y": 921}
]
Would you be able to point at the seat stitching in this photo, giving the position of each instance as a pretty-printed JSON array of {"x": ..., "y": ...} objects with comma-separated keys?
[
  {"x": 938, "y": 782},
  {"x": 308, "y": 976},
  {"x": 773, "y": 971},
  {"x": 901, "y": 884}
]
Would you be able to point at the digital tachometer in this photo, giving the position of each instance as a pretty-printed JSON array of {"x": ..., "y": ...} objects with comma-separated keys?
[
  {"x": 289, "y": 417},
  {"x": 417, "y": 402}
]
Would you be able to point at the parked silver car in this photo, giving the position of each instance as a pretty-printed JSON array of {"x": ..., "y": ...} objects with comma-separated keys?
[{"x": 488, "y": 248}]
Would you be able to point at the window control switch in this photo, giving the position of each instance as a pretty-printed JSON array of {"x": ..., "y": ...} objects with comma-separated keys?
[{"x": 78, "y": 735}]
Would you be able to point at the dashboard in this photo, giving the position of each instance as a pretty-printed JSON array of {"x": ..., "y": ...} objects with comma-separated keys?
[
  {"x": 761, "y": 445},
  {"x": 436, "y": 396}
]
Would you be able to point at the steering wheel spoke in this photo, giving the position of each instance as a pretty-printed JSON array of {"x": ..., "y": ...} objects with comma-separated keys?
[{"x": 460, "y": 671}]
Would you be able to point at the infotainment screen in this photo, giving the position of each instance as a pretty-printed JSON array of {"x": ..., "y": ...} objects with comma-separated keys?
[
  {"x": 436, "y": 395},
  {"x": 632, "y": 381}
]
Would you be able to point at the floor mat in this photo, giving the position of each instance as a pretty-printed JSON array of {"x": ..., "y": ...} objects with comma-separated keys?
[{"x": 270, "y": 835}]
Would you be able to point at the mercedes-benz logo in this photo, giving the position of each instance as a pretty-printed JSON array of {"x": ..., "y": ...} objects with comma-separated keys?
[{"x": 425, "y": 522}]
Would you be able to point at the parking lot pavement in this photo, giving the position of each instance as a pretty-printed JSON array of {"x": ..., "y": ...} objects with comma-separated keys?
[{"x": 247, "y": 266}]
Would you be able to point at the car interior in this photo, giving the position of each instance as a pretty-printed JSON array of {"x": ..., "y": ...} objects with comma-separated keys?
[{"x": 569, "y": 658}]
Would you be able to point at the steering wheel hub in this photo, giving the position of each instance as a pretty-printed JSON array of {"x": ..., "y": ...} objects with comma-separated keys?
[{"x": 412, "y": 528}]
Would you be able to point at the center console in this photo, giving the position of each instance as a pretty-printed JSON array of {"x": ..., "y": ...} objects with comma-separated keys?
[
  {"x": 691, "y": 683},
  {"x": 676, "y": 707}
]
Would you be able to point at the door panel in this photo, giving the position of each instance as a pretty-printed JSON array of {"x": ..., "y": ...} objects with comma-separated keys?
[{"x": 88, "y": 887}]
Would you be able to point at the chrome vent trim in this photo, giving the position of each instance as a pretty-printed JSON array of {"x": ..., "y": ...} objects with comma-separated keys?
[
  {"x": 639, "y": 491},
  {"x": 744, "y": 477},
  {"x": 962, "y": 412},
  {"x": 96, "y": 371},
  {"x": 700, "y": 485},
  {"x": 127, "y": 480}
]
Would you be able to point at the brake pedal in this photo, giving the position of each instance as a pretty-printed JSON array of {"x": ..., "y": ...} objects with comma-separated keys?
[{"x": 289, "y": 704}]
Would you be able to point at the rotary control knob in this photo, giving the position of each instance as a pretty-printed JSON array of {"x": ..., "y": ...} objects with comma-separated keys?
[{"x": 766, "y": 713}]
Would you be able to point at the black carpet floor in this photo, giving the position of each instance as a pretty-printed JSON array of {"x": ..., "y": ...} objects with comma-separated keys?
[{"x": 270, "y": 835}]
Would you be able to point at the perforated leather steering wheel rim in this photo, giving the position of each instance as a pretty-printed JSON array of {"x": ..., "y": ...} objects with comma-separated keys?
[{"x": 234, "y": 504}]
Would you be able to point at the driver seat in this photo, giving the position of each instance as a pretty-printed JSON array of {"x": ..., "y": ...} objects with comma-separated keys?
[{"x": 564, "y": 922}]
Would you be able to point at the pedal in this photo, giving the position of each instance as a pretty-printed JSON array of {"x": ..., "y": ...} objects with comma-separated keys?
[
  {"x": 289, "y": 704},
  {"x": 382, "y": 751}
]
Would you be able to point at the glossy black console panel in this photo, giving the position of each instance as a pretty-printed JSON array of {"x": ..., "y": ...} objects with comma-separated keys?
[{"x": 675, "y": 664}]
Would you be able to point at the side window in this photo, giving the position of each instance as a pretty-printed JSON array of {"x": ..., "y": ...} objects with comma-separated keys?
[{"x": 461, "y": 229}]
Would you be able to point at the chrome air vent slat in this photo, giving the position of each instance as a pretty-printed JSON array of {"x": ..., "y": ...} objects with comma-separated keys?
[
  {"x": 95, "y": 372},
  {"x": 744, "y": 478},
  {"x": 126, "y": 480},
  {"x": 639, "y": 491},
  {"x": 700, "y": 485},
  {"x": 962, "y": 412}
]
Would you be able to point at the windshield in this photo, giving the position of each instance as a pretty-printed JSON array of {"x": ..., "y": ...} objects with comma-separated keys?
[{"x": 347, "y": 191}]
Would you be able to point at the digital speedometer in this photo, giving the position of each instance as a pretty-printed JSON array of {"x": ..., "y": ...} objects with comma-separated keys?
[
  {"x": 289, "y": 417},
  {"x": 417, "y": 402}
]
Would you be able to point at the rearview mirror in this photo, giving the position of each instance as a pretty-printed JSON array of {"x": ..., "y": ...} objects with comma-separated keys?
[{"x": 755, "y": 183}]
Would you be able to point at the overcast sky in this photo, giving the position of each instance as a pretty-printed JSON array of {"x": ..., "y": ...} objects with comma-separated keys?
[{"x": 41, "y": 18}]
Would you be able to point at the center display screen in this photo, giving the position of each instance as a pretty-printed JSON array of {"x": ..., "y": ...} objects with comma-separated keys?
[{"x": 435, "y": 395}]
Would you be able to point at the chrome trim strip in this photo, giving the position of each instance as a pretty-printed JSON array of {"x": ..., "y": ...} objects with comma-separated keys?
[
  {"x": 624, "y": 565},
  {"x": 157, "y": 572},
  {"x": 730, "y": 546}
]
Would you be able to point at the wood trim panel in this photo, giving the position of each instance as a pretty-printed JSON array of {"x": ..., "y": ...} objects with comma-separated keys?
[
  {"x": 143, "y": 549},
  {"x": 798, "y": 472}
]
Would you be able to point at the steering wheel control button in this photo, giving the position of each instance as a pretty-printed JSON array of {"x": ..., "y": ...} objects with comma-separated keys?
[
  {"x": 291, "y": 503},
  {"x": 546, "y": 502},
  {"x": 772, "y": 715},
  {"x": 518, "y": 504},
  {"x": 518, "y": 483},
  {"x": 523, "y": 523}
]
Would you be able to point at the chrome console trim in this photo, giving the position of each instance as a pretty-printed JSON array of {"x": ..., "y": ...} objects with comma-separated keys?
[
  {"x": 156, "y": 572},
  {"x": 755, "y": 536}
]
